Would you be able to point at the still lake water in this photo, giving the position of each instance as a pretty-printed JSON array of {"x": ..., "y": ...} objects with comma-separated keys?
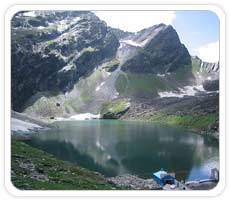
[{"x": 114, "y": 147}]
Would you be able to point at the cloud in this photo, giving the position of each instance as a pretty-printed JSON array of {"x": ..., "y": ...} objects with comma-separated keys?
[
  {"x": 209, "y": 52},
  {"x": 134, "y": 21}
]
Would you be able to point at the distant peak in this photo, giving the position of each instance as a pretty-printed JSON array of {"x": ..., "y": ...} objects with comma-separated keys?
[
  {"x": 204, "y": 61},
  {"x": 170, "y": 27},
  {"x": 196, "y": 57},
  {"x": 161, "y": 25}
]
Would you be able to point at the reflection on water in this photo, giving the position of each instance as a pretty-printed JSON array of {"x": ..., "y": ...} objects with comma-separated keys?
[{"x": 115, "y": 147}]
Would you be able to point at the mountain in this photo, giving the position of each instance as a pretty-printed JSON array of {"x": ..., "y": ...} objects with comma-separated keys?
[
  {"x": 206, "y": 73},
  {"x": 52, "y": 50},
  {"x": 70, "y": 62},
  {"x": 120, "y": 34},
  {"x": 159, "y": 51},
  {"x": 207, "y": 66}
]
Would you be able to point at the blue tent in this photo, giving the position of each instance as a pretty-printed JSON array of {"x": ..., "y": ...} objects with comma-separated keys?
[{"x": 162, "y": 177}]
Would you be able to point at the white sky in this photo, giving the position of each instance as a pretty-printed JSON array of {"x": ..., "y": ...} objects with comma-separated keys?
[
  {"x": 134, "y": 21},
  {"x": 209, "y": 52}
]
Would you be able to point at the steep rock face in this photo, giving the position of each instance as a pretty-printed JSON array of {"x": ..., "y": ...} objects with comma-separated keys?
[
  {"x": 52, "y": 50},
  {"x": 159, "y": 51},
  {"x": 210, "y": 67},
  {"x": 206, "y": 66},
  {"x": 206, "y": 73}
]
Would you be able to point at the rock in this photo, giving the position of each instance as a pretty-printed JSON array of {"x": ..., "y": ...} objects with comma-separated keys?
[
  {"x": 133, "y": 182},
  {"x": 111, "y": 66},
  {"x": 39, "y": 177},
  {"x": 13, "y": 174},
  {"x": 40, "y": 170},
  {"x": 114, "y": 109},
  {"x": 211, "y": 85},
  {"x": 202, "y": 186},
  {"x": 18, "y": 156},
  {"x": 27, "y": 165}
]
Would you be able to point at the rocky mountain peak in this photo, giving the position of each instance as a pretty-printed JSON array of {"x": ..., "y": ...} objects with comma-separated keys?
[{"x": 160, "y": 51}]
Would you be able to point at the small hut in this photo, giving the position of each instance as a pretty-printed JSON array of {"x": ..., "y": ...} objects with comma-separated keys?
[{"x": 162, "y": 177}]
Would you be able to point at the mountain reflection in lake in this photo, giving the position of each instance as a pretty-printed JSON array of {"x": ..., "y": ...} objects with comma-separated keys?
[{"x": 114, "y": 147}]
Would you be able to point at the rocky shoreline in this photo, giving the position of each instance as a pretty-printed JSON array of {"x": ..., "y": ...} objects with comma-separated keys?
[{"x": 133, "y": 182}]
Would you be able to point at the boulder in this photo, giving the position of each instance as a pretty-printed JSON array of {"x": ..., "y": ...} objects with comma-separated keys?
[{"x": 211, "y": 85}]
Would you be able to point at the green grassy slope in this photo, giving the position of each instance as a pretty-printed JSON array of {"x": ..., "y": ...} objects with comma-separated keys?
[
  {"x": 33, "y": 169},
  {"x": 185, "y": 121},
  {"x": 136, "y": 84}
]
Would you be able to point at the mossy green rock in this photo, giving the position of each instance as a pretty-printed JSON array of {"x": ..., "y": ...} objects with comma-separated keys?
[{"x": 114, "y": 109}]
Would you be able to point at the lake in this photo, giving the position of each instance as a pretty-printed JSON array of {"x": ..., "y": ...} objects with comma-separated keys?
[{"x": 116, "y": 147}]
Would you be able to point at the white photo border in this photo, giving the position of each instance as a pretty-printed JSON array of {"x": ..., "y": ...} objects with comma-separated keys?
[{"x": 102, "y": 193}]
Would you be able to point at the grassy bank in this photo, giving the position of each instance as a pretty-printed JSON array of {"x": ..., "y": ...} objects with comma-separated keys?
[
  {"x": 196, "y": 123},
  {"x": 37, "y": 170},
  {"x": 185, "y": 121}
]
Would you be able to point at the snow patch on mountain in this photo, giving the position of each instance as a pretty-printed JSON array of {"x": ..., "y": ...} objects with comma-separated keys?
[
  {"x": 185, "y": 91},
  {"x": 78, "y": 117},
  {"x": 65, "y": 24},
  {"x": 160, "y": 75},
  {"x": 131, "y": 42},
  {"x": 29, "y": 14},
  {"x": 99, "y": 87},
  {"x": 22, "y": 126},
  {"x": 40, "y": 27}
]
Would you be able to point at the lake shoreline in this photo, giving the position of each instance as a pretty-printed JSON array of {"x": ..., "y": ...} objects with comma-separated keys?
[
  {"x": 32, "y": 169},
  {"x": 46, "y": 124}
]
